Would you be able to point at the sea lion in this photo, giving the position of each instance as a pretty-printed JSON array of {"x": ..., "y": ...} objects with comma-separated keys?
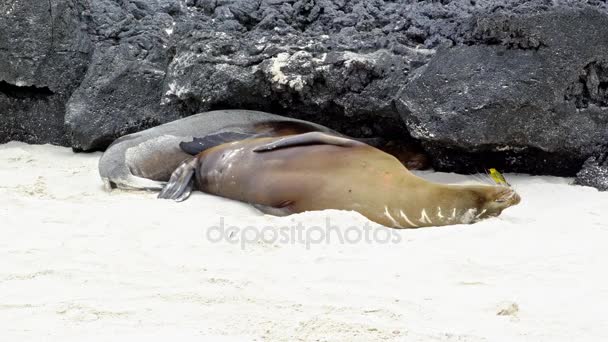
[
  {"x": 146, "y": 159},
  {"x": 316, "y": 171}
]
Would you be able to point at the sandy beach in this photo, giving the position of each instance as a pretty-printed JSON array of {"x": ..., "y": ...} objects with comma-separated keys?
[{"x": 80, "y": 263}]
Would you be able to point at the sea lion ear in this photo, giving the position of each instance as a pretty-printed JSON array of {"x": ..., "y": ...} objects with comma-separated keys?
[
  {"x": 198, "y": 145},
  {"x": 312, "y": 138}
]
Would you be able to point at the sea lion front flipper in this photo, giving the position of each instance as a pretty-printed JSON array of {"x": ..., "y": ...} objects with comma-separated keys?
[
  {"x": 198, "y": 145},
  {"x": 312, "y": 138},
  {"x": 179, "y": 187}
]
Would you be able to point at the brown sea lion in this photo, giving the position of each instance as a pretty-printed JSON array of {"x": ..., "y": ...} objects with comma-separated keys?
[{"x": 316, "y": 171}]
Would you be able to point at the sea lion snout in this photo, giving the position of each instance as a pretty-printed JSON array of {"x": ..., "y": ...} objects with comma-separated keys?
[
  {"x": 500, "y": 199},
  {"x": 508, "y": 196}
]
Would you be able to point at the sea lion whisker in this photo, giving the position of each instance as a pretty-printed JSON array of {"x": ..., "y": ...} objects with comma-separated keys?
[
  {"x": 483, "y": 180},
  {"x": 491, "y": 180},
  {"x": 511, "y": 195},
  {"x": 477, "y": 176},
  {"x": 488, "y": 179}
]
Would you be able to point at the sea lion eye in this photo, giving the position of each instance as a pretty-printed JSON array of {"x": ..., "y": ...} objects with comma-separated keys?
[{"x": 505, "y": 196}]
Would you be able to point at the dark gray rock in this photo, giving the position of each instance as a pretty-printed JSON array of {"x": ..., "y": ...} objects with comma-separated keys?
[
  {"x": 44, "y": 52},
  {"x": 121, "y": 91},
  {"x": 517, "y": 84},
  {"x": 530, "y": 87},
  {"x": 339, "y": 63},
  {"x": 595, "y": 170},
  {"x": 333, "y": 62}
]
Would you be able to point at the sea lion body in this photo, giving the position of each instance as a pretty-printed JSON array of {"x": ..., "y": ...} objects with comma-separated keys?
[
  {"x": 146, "y": 159},
  {"x": 282, "y": 178}
]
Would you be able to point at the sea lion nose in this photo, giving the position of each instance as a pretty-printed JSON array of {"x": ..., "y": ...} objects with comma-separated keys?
[{"x": 515, "y": 198}]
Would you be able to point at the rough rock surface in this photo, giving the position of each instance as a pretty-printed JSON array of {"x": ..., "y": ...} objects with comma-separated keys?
[
  {"x": 336, "y": 63},
  {"x": 514, "y": 84},
  {"x": 524, "y": 85},
  {"x": 44, "y": 53},
  {"x": 595, "y": 170}
]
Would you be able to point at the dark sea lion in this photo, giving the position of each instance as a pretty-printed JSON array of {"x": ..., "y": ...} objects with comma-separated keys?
[
  {"x": 316, "y": 171},
  {"x": 146, "y": 159}
]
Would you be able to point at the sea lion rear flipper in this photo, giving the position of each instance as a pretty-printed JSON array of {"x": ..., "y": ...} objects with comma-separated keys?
[
  {"x": 312, "y": 138},
  {"x": 198, "y": 145},
  {"x": 179, "y": 187}
]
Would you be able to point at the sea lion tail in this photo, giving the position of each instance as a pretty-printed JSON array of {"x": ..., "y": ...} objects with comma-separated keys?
[{"x": 179, "y": 187}]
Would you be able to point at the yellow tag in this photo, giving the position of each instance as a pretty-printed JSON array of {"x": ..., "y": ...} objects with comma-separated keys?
[{"x": 497, "y": 177}]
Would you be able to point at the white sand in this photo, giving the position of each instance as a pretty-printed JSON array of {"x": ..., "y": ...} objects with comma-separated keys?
[{"x": 77, "y": 262}]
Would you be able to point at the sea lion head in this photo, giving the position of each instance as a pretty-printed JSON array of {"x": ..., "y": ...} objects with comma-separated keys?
[{"x": 492, "y": 200}]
